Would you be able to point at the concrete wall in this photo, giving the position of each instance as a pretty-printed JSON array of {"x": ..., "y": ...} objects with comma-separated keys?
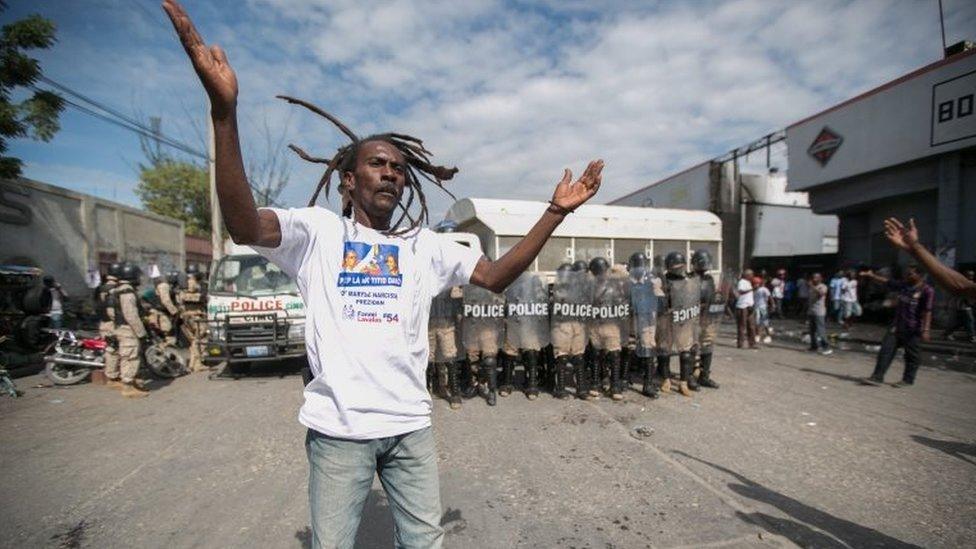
[{"x": 66, "y": 233}]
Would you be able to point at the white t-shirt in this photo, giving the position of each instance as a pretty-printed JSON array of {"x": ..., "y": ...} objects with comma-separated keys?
[
  {"x": 367, "y": 301},
  {"x": 777, "y": 285},
  {"x": 849, "y": 291},
  {"x": 761, "y": 298},
  {"x": 745, "y": 297}
]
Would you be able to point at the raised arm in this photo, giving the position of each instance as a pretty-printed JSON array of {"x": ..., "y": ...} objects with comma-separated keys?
[
  {"x": 497, "y": 275},
  {"x": 906, "y": 238},
  {"x": 245, "y": 223}
]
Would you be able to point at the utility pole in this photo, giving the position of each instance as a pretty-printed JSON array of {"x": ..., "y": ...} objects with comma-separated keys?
[{"x": 216, "y": 220}]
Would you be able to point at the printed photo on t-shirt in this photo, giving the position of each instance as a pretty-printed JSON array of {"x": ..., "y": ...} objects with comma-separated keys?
[{"x": 366, "y": 264}]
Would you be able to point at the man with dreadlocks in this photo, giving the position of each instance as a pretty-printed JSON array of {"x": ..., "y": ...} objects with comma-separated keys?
[{"x": 367, "y": 408}]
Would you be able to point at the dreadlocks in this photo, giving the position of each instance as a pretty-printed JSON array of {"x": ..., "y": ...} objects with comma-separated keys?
[{"x": 412, "y": 149}]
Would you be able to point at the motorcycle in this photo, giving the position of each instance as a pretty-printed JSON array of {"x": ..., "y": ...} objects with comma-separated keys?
[{"x": 77, "y": 353}]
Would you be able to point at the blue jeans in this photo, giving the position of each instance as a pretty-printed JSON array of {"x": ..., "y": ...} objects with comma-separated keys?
[
  {"x": 341, "y": 474},
  {"x": 818, "y": 332},
  {"x": 56, "y": 319}
]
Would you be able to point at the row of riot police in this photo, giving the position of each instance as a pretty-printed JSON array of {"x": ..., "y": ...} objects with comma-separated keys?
[
  {"x": 589, "y": 332},
  {"x": 123, "y": 319}
]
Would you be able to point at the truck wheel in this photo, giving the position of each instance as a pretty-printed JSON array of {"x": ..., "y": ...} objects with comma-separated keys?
[
  {"x": 164, "y": 361},
  {"x": 61, "y": 374}
]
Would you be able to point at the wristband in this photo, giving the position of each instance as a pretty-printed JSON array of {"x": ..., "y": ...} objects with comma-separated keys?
[{"x": 557, "y": 209}]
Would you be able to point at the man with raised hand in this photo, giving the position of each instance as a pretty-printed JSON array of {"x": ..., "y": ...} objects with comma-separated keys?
[{"x": 367, "y": 408}]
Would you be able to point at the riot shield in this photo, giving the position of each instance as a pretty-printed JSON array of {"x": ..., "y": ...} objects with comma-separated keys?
[
  {"x": 608, "y": 324},
  {"x": 571, "y": 307},
  {"x": 715, "y": 292},
  {"x": 445, "y": 306},
  {"x": 527, "y": 314},
  {"x": 643, "y": 309},
  {"x": 571, "y": 296},
  {"x": 482, "y": 321},
  {"x": 683, "y": 311}
]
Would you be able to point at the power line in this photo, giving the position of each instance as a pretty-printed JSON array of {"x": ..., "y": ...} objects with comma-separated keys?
[
  {"x": 117, "y": 118},
  {"x": 155, "y": 134}
]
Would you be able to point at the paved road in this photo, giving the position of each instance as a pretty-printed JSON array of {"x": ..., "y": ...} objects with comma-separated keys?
[{"x": 790, "y": 451}]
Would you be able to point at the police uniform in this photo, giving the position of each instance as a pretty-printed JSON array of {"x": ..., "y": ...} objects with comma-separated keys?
[
  {"x": 129, "y": 330},
  {"x": 169, "y": 311},
  {"x": 527, "y": 331},
  {"x": 713, "y": 303},
  {"x": 442, "y": 340},
  {"x": 570, "y": 311},
  {"x": 104, "y": 300},
  {"x": 192, "y": 305},
  {"x": 482, "y": 326},
  {"x": 608, "y": 324},
  {"x": 683, "y": 311},
  {"x": 645, "y": 294}
]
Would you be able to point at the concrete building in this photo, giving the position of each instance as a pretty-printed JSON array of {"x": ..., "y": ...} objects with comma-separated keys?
[
  {"x": 904, "y": 149},
  {"x": 70, "y": 234},
  {"x": 763, "y": 225}
]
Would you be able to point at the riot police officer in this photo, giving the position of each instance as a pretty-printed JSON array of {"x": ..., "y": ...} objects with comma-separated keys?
[
  {"x": 526, "y": 328},
  {"x": 713, "y": 302},
  {"x": 105, "y": 309},
  {"x": 608, "y": 326},
  {"x": 644, "y": 297},
  {"x": 570, "y": 311},
  {"x": 683, "y": 308},
  {"x": 445, "y": 312},
  {"x": 192, "y": 303},
  {"x": 129, "y": 330},
  {"x": 482, "y": 325}
]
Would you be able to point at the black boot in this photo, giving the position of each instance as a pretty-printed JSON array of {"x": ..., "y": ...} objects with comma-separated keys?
[
  {"x": 597, "y": 373},
  {"x": 560, "y": 368},
  {"x": 650, "y": 389},
  {"x": 490, "y": 373},
  {"x": 582, "y": 378},
  {"x": 531, "y": 360},
  {"x": 692, "y": 380},
  {"x": 705, "y": 377},
  {"x": 508, "y": 375},
  {"x": 616, "y": 383},
  {"x": 454, "y": 384},
  {"x": 686, "y": 363},
  {"x": 626, "y": 355},
  {"x": 664, "y": 372},
  {"x": 469, "y": 378}
]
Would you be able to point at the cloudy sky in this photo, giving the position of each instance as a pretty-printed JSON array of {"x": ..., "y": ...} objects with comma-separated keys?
[{"x": 509, "y": 91}]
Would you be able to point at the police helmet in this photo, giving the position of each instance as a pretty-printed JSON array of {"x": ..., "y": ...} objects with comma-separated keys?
[
  {"x": 701, "y": 260},
  {"x": 675, "y": 263},
  {"x": 599, "y": 266},
  {"x": 115, "y": 269},
  {"x": 580, "y": 266},
  {"x": 173, "y": 277},
  {"x": 637, "y": 260},
  {"x": 564, "y": 268},
  {"x": 130, "y": 272}
]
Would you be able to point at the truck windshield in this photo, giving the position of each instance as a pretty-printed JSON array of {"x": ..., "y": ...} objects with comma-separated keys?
[{"x": 250, "y": 275}]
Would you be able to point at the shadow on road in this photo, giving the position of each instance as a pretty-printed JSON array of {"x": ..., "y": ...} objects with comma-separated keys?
[
  {"x": 842, "y": 377},
  {"x": 376, "y": 524},
  {"x": 815, "y": 528},
  {"x": 961, "y": 450}
]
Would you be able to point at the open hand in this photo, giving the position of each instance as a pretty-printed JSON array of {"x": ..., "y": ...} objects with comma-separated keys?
[
  {"x": 899, "y": 235},
  {"x": 571, "y": 195},
  {"x": 210, "y": 62}
]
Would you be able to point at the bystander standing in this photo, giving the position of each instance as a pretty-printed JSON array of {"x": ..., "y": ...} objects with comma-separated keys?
[
  {"x": 817, "y": 314},
  {"x": 744, "y": 319}
]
